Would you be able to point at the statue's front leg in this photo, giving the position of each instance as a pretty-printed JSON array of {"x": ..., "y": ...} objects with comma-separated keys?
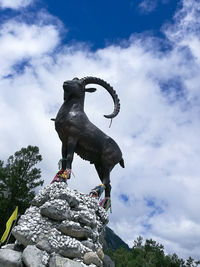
[
  {"x": 64, "y": 156},
  {"x": 68, "y": 150},
  {"x": 68, "y": 153}
]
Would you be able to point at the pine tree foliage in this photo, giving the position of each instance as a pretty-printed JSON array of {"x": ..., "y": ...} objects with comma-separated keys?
[
  {"x": 147, "y": 254},
  {"x": 18, "y": 179}
]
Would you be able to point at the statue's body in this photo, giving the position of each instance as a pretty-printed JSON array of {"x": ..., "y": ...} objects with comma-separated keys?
[{"x": 79, "y": 135}]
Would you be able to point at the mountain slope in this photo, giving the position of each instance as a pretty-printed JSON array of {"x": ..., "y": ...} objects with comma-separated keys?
[{"x": 113, "y": 241}]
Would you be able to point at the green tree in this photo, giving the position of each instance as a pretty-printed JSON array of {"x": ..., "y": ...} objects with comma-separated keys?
[
  {"x": 191, "y": 262},
  {"x": 138, "y": 242},
  {"x": 149, "y": 254},
  {"x": 18, "y": 179}
]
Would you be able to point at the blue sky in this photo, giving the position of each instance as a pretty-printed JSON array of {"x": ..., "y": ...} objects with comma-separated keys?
[
  {"x": 100, "y": 23},
  {"x": 149, "y": 51},
  {"x": 106, "y": 22}
]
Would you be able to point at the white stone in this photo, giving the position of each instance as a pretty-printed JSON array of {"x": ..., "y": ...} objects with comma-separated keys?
[
  {"x": 57, "y": 260},
  {"x": 76, "y": 212},
  {"x": 92, "y": 258},
  {"x": 10, "y": 258},
  {"x": 33, "y": 257}
]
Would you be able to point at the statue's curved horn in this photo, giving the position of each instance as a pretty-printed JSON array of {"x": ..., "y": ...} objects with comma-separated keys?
[{"x": 108, "y": 87}]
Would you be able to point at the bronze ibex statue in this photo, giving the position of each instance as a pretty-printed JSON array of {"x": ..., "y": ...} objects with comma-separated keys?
[{"x": 79, "y": 135}]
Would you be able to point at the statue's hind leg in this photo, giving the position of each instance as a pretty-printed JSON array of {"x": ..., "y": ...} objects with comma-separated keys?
[
  {"x": 98, "y": 190},
  {"x": 105, "y": 178},
  {"x": 104, "y": 175}
]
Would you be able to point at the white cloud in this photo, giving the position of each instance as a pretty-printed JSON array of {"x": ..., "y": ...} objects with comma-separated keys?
[
  {"x": 158, "y": 132},
  {"x": 20, "y": 41},
  {"x": 14, "y": 4},
  {"x": 148, "y": 6}
]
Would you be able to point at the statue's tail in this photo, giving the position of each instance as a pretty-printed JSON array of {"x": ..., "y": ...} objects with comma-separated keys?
[{"x": 122, "y": 163}]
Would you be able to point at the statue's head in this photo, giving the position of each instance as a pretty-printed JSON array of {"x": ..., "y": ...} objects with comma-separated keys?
[{"x": 77, "y": 88}]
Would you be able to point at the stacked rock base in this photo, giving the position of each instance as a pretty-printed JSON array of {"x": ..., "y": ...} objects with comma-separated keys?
[{"x": 63, "y": 227}]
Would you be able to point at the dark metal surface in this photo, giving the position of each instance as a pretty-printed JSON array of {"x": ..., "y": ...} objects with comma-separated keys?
[{"x": 79, "y": 135}]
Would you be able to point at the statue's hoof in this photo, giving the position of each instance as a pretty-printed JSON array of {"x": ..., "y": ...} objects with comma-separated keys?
[
  {"x": 97, "y": 191},
  {"x": 66, "y": 174},
  {"x": 58, "y": 180},
  {"x": 62, "y": 176},
  {"x": 106, "y": 203}
]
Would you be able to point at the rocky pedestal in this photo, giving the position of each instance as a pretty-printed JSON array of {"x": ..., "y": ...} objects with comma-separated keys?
[{"x": 61, "y": 228}]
